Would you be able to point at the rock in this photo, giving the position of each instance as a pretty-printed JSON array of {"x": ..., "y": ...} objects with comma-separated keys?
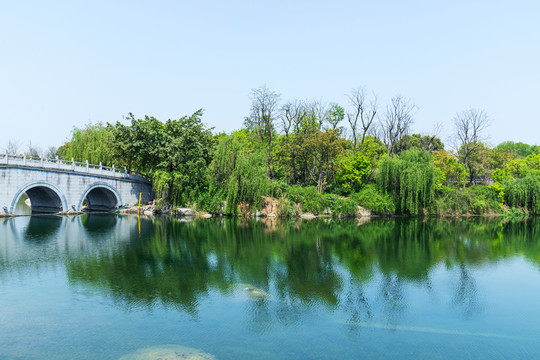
[
  {"x": 185, "y": 212},
  {"x": 168, "y": 352},
  {"x": 206, "y": 216},
  {"x": 307, "y": 216},
  {"x": 363, "y": 211}
]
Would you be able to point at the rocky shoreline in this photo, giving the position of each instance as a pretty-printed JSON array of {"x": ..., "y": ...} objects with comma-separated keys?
[{"x": 269, "y": 210}]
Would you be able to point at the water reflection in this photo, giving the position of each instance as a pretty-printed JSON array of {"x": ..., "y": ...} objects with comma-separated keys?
[
  {"x": 41, "y": 229},
  {"x": 359, "y": 268}
]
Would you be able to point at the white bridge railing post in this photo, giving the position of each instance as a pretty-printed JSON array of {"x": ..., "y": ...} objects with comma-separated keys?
[{"x": 87, "y": 166}]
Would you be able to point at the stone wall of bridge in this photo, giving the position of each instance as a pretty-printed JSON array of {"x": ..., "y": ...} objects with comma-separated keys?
[{"x": 54, "y": 190}]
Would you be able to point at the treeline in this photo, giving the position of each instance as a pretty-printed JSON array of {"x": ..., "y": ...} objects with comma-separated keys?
[{"x": 317, "y": 157}]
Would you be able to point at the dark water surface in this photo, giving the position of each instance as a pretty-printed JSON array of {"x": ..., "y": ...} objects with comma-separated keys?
[{"x": 102, "y": 286}]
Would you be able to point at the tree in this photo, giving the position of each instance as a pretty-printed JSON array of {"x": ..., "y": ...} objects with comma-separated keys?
[
  {"x": 429, "y": 143},
  {"x": 397, "y": 122},
  {"x": 411, "y": 178},
  {"x": 175, "y": 154},
  {"x": 264, "y": 107},
  {"x": 469, "y": 125},
  {"x": 32, "y": 151},
  {"x": 51, "y": 153},
  {"x": 363, "y": 110},
  {"x": 12, "y": 148},
  {"x": 336, "y": 115},
  {"x": 354, "y": 171},
  {"x": 93, "y": 142}
]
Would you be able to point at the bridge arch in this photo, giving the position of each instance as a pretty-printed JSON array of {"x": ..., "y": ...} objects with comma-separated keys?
[
  {"x": 44, "y": 197},
  {"x": 100, "y": 197}
]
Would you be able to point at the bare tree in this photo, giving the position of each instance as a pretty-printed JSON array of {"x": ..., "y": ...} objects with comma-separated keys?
[
  {"x": 50, "y": 153},
  {"x": 12, "y": 148},
  {"x": 470, "y": 125},
  {"x": 397, "y": 122},
  {"x": 436, "y": 133},
  {"x": 32, "y": 150},
  {"x": 290, "y": 113},
  {"x": 264, "y": 108},
  {"x": 361, "y": 110}
]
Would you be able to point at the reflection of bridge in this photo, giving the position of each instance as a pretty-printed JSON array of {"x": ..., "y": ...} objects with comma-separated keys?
[{"x": 58, "y": 185}]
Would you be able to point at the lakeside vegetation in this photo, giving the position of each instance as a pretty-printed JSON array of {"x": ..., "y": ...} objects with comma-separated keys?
[{"x": 313, "y": 157}]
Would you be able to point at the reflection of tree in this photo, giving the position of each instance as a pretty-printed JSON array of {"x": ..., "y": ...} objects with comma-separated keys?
[
  {"x": 393, "y": 300},
  {"x": 176, "y": 264},
  {"x": 466, "y": 296}
]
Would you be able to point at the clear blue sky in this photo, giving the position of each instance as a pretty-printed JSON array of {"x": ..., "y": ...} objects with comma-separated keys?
[{"x": 67, "y": 63}]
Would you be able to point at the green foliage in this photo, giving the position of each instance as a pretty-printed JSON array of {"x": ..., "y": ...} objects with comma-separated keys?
[
  {"x": 374, "y": 200},
  {"x": 94, "y": 143},
  {"x": 473, "y": 200},
  {"x": 248, "y": 182},
  {"x": 498, "y": 188},
  {"x": 411, "y": 178},
  {"x": 312, "y": 201},
  {"x": 519, "y": 149},
  {"x": 354, "y": 171},
  {"x": 450, "y": 171},
  {"x": 343, "y": 207},
  {"x": 524, "y": 193},
  {"x": 212, "y": 200},
  {"x": 429, "y": 143},
  {"x": 175, "y": 154},
  {"x": 285, "y": 207}
]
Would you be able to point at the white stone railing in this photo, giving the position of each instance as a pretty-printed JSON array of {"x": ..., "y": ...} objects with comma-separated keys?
[{"x": 70, "y": 165}]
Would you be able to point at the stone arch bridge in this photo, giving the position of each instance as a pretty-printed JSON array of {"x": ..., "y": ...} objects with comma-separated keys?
[{"x": 60, "y": 186}]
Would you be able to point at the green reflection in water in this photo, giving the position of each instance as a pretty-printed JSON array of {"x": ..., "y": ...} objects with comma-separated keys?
[
  {"x": 174, "y": 263},
  {"x": 288, "y": 289}
]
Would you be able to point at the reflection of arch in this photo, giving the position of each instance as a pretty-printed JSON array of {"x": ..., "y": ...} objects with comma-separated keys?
[
  {"x": 44, "y": 197},
  {"x": 42, "y": 228},
  {"x": 101, "y": 197},
  {"x": 97, "y": 224}
]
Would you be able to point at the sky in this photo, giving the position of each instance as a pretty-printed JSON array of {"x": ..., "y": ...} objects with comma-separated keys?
[{"x": 65, "y": 64}]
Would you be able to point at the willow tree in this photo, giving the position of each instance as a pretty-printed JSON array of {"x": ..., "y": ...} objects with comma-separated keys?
[
  {"x": 247, "y": 182},
  {"x": 94, "y": 143},
  {"x": 524, "y": 192},
  {"x": 410, "y": 178}
]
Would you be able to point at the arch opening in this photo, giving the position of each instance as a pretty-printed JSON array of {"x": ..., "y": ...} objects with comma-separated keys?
[
  {"x": 100, "y": 199},
  {"x": 39, "y": 200}
]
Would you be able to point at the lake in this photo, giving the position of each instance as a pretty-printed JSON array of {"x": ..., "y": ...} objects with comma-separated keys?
[{"x": 103, "y": 286}]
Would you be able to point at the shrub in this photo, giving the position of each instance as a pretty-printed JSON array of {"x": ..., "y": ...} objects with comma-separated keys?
[
  {"x": 371, "y": 198},
  {"x": 311, "y": 200},
  {"x": 344, "y": 206},
  {"x": 524, "y": 192},
  {"x": 285, "y": 207},
  {"x": 211, "y": 200}
]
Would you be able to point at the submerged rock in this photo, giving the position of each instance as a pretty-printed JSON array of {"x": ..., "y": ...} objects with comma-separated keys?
[
  {"x": 253, "y": 292},
  {"x": 168, "y": 352}
]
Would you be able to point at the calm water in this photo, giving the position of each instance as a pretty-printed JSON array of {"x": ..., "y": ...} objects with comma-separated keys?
[{"x": 102, "y": 286}]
